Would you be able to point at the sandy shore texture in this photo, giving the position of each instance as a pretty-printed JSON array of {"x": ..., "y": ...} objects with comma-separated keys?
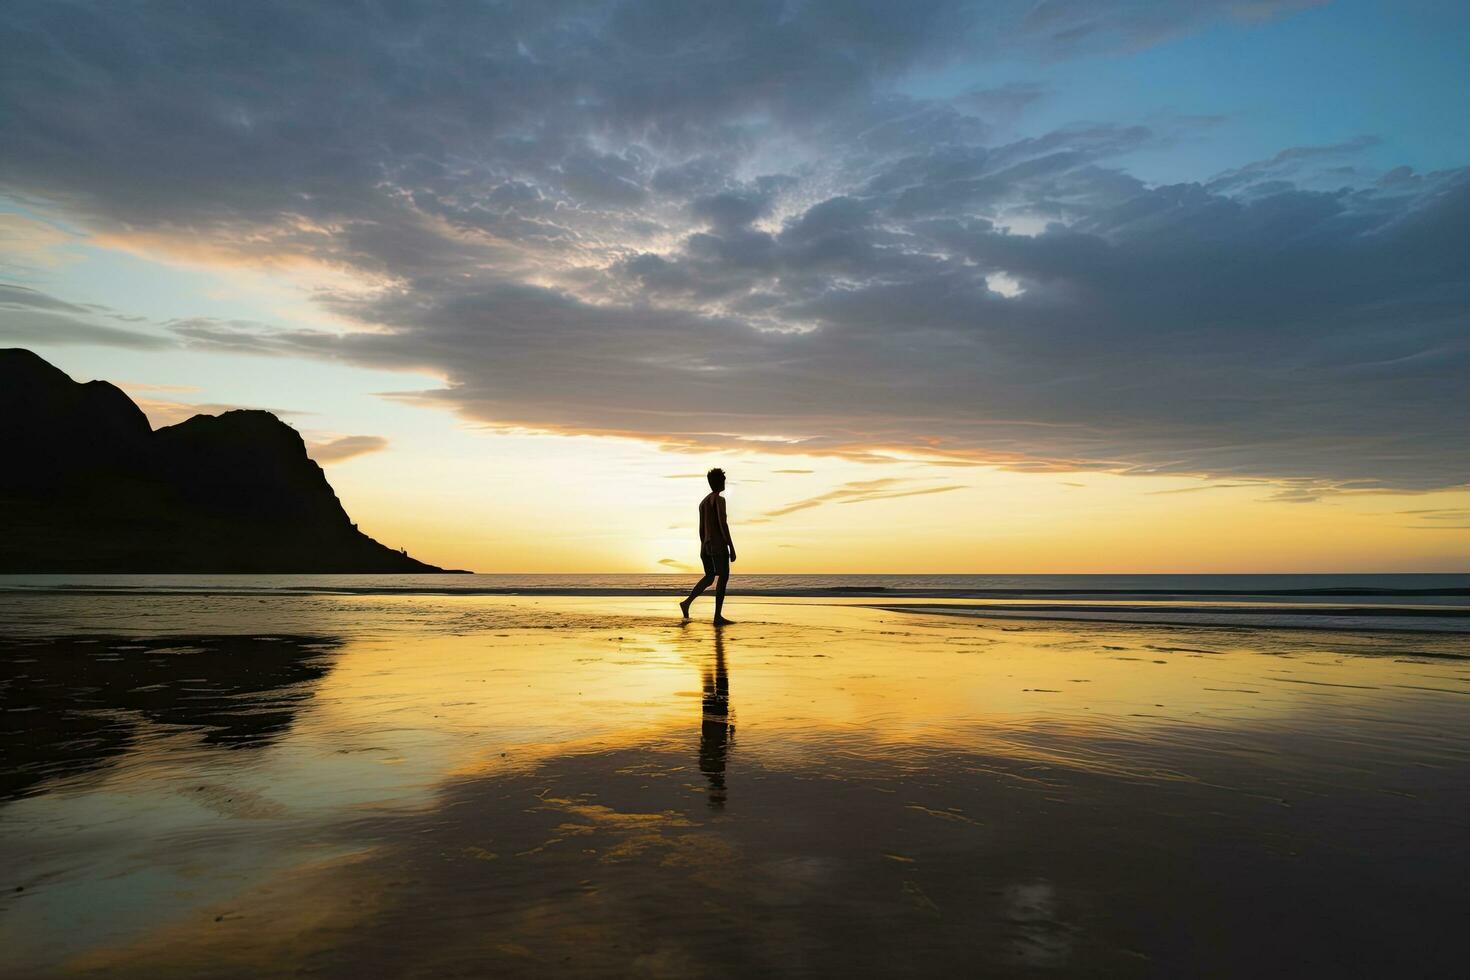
[{"x": 381, "y": 786}]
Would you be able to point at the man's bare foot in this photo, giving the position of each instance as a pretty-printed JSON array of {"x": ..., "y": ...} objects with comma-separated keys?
[
  {"x": 684, "y": 608},
  {"x": 722, "y": 621}
]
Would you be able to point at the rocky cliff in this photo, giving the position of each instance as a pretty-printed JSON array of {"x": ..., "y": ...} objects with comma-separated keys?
[{"x": 86, "y": 485}]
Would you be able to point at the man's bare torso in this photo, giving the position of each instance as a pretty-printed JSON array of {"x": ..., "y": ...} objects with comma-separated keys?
[{"x": 711, "y": 526}]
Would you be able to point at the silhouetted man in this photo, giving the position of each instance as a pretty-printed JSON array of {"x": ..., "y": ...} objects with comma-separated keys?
[{"x": 716, "y": 550}]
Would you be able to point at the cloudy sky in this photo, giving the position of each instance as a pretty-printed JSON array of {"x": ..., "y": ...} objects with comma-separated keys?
[{"x": 1022, "y": 285}]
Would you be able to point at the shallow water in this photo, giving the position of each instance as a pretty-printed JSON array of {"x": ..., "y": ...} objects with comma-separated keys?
[{"x": 381, "y": 785}]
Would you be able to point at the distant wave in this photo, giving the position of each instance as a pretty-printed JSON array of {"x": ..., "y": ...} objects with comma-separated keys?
[
  {"x": 1305, "y": 588},
  {"x": 1438, "y": 619}
]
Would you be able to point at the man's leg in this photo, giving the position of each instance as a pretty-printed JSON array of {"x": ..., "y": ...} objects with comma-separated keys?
[
  {"x": 699, "y": 588},
  {"x": 720, "y": 597}
]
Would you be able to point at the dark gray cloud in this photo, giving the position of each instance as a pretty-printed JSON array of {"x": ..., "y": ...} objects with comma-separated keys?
[
  {"x": 30, "y": 317},
  {"x": 718, "y": 225}
]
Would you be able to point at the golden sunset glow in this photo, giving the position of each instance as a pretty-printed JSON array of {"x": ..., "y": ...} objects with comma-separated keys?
[{"x": 559, "y": 504}]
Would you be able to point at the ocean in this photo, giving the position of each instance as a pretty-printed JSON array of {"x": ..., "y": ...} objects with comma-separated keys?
[{"x": 1401, "y": 601}]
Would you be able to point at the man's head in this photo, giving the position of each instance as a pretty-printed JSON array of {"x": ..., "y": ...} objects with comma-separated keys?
[{"x": 716, "y": 478}]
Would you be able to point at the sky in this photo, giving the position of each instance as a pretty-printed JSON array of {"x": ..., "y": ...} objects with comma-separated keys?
[{"x": 1015, "y": 286}]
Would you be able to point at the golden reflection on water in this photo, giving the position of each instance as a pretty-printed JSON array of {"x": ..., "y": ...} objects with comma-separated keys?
[
  {"x": 716, "y": 726},
  {"x": 491, "y": 780}
]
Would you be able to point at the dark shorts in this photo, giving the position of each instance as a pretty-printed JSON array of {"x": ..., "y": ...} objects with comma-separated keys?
[{"x": 716, "y": 559}]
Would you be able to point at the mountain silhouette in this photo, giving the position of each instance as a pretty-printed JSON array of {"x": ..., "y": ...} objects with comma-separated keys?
[{"x": 87, "y": 485}]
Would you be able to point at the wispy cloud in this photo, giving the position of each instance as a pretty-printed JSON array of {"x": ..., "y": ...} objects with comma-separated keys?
[
  {"x": 132, "y": 387},
  {"x": 33, "y": 318},
  {"x": 344, "y": 448},
  {"x": 163, "y": 412},
  {"x": 861, "y": 491},
  {"x": 1212, "y": 486},
  {"x": 28, "y": 246},
  {"x": 1438, "y": 519}
]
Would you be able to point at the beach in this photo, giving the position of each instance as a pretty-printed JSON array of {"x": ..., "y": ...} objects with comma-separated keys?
[{"x": 375, "y": 782}]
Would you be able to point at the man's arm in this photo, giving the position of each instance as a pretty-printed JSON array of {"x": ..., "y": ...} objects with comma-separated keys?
[
  {"x": 725, "y": 526},
  {"x": 702, "y": 538}
]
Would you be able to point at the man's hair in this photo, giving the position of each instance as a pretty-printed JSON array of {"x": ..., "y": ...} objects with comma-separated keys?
[{"x": 716, "y": 478}]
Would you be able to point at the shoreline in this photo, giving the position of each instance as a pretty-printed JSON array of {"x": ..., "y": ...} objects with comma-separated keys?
[{"x": 1438, "y": 608}]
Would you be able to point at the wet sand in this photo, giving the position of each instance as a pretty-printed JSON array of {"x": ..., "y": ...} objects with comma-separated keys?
[{"x": 502, "y": 786}]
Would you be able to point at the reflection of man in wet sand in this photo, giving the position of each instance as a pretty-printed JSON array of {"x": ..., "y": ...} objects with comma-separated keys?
[
  {"x": 716, "y": 550},
  {"x": 715, "y": 729}
]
